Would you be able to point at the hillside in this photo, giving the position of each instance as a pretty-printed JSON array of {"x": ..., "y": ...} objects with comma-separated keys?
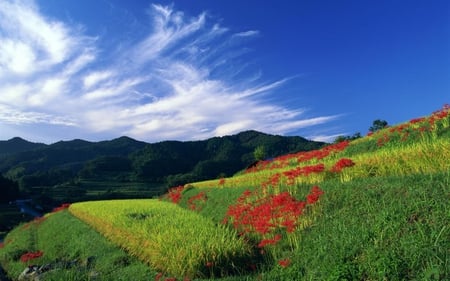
[
  {"x": 375, "y": 208},
  {"x": 78, "y": 170},
  {"x": 16, "y": 145}
]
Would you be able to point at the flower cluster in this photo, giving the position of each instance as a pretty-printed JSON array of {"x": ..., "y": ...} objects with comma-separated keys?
[
  {"x": 284, "y": 262},
  {"x": 268, "y": 215},
  {"x": 62, "y": 207},
  {"x": 297, "y": 158},
  {"x": 341, "y": 164},
  {"x": 314, "y": 195},
  {"x": 302, "y": 171},
  {"x": 31, "y": 255},
  {"x": 416, "y": 127},
  {"x": 175, "y": 194},
  {"x": 269, "y": 241},
  {"x": 193, "y": 202},
  {"x": 35, "y": 222}
]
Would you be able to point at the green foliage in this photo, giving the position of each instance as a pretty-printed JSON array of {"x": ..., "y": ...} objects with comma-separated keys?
[
  {"x": 127, "y": 160},
  {"x": 9, "y": 190},
  {"x": 383, "y": 216},
  {"x": 76, "y": 250},
  {"x": 378, "y": 125},
  {"x": 259, "y": 153},
  {"x": 347, "y": 138},
  {"x": 156, "y": 232},
  {"x": 16, "y": 145},
  {"x": 378, "y": 229}
]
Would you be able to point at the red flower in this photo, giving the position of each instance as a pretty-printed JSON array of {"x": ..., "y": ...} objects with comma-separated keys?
[
  {"x": 272, "y": 241},
  {"x": 341, "y": 164},
  {"x": 60, "y": 208},
  {"x": 314, "y": 195},
  {"x": 209, "y": 264},
  {"x": 175, "y": 194},
  {"x": 284, "y": 263},
  {"x": 31, "y": 255},
  {"x": 2, "y": 245},
  {"x": 158, "y": 276}
]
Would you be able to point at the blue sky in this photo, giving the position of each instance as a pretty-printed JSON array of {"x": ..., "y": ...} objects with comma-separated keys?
[{"x": 190, "y": 70}]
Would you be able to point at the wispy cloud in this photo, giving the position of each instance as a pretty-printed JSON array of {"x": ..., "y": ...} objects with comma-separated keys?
[
  {"x": 249, "y": 33},
  {"x": 176, "y": 82}
]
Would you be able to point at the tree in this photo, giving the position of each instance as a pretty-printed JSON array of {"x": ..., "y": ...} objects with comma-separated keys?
[
  {"x": 378, "y": 125},
  {"x": 259, "y": 153},
  {"x": 344, "y": 138},
  {"x": 9, "y": 190}
]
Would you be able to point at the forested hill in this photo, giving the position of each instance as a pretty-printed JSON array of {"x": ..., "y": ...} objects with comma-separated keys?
[
  {"x": 66, "y": 163},
  {"x": 17, "y": 144}
]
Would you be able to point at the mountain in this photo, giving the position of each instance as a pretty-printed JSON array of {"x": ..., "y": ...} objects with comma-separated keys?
[
  {"x": 78, "y": 165},
  {"x": 16, "y": 145}
]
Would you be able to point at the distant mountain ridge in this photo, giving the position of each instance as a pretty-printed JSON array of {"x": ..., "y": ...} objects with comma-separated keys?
[
  {"x": 18, "y": 144},
  {"x": 69, "y": 163}
]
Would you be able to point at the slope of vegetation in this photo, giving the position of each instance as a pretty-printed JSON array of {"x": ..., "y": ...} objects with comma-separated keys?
[
  {"x": 57, "y": 172},
  {"x": 374, "y": 208}
]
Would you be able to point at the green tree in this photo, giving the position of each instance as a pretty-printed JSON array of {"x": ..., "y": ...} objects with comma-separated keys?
[
  {"x": 259, "y": 153},
  {"x": 378, "y": 125},
  {"x": 344, "y": 138},
  {"x": 9, "y": 190}
]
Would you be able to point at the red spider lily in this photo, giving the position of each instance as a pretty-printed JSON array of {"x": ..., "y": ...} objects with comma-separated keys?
[
  {"x": 221, "y": 181},
  {"x": 417, "y": 120},
  {"x": 314, "y": 195},
  {"x": 36, "y": 221},
  {"x": 263, "y": 214},
  {"x": 2, "y": 245},
  {"x": 175, "y": 194},
  {"x": 303, "y": 171},
  {"x": 200, "y": 197},
  {"x": 31, "y": 255},
  {"x": 284, "y": 160},
  {"x": 284, "y": 263},
  {"x": 60, "y": 208},
  {"x": 272, "y": 241},
  {"x": 341, "y": 164},
  {"x": 158, "y": 276},
  {"x": 209, "y": 264}
]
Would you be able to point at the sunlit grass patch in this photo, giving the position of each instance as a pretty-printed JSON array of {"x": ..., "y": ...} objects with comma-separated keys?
[{"x": 171, "y": 239}]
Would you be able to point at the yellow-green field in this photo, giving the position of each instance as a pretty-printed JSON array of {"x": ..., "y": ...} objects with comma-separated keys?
[
  {"x": 169, "y": 238},
  {"x": 375, "y": 208}
]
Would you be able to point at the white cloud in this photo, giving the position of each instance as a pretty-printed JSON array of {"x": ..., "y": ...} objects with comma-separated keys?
[
  {"x": 94, "y": 78},
  {"x": 16, "y": 56},
  {"x": 159, "y": 87},
  {"x": 22, "y": 22},
  {"x": 249, "y": 33},
  {"x": 10, "y": 115}
]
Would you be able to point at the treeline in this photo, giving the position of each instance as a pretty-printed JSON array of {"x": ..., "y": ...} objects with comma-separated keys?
[{"x": 68, "y": 163}]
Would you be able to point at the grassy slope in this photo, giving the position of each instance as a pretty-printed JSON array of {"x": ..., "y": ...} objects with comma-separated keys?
[
  {"x": 386, "y": 218},
  {"x": 393, "y": 228},
  {"x": 65, "y": 239}
]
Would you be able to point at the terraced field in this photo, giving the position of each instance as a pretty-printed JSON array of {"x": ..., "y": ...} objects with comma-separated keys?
[{"x": 375, "y": 208}]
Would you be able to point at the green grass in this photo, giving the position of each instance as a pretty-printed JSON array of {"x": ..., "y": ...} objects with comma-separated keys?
[
  {"x": 377, "y": 229},
  {"x": 156, "y": 232},
  {"x": 63, "y": 238},
  {"x": 385, "y": 218}
]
